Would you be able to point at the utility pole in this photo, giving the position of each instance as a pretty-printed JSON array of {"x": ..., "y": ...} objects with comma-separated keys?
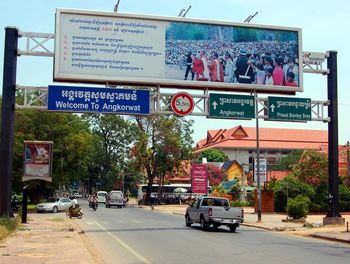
[
  {"x": 333, "y": 216},
  {"x": 258, "y": 155},
  {"x": 8, "y": 119}
]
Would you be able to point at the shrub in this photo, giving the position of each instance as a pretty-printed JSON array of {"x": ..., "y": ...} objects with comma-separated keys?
[
  {"x": 241, "y": 204},
  {"x": 289, "y": 187},
  {"x": 298, "y": 207}
]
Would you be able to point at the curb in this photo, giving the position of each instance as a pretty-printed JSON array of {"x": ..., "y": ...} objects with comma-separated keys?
[
  {"x": 330, "y": 238},
  {"x": 260, "y": 227}
]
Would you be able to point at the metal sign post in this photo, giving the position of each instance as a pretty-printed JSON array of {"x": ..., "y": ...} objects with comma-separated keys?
[
  {"x": 7, "y": 119},
  {"x": 258, "y": 155},
  {"x": 333, "y": 216}
]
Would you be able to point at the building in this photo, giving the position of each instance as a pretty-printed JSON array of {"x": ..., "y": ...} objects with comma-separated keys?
[{"x": 239, "y": 143}]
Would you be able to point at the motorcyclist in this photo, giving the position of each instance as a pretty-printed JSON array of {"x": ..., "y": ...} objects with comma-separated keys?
[{"x": 94, "y": 203}]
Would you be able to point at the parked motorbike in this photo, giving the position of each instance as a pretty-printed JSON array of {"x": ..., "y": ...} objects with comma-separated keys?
[{"x": 74, "y": 212}]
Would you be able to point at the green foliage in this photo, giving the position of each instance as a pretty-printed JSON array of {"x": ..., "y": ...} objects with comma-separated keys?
[
  {"x": 344, "y": 197},
  {"x": 313, "y": 168},
  {"x": 289, "y": 187},
  {"x": 298, "y": 207},
  {"x": 162, "y": 143},
  {"x": 9, "y": 223},
  {"x": 72, "y": 145},
  {"x": 288, "y": 162},
  {"x": 213, "y": 155},
  {"x": 241, "y": 203},
  {"x": 113, "y": 136},
  {"x": 319, "y": 202}
]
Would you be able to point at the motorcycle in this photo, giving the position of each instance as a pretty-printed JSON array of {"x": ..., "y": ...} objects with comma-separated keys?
[
  {"x": 74, "y": 212},
  {"x": 94, "y": 205}
]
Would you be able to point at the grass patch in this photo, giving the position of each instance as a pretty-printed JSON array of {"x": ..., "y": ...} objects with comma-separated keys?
[
  {"x": 31, "y": 206},
  {"x": 7, "y": 226}
]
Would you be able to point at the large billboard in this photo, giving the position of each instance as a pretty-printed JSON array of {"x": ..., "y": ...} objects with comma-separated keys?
[{"x": 101, "y": 47}]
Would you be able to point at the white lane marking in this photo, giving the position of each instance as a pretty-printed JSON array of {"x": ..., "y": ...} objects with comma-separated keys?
[
  {"x": 89, "y": 223},
  {"x": 126, "y": 246}
]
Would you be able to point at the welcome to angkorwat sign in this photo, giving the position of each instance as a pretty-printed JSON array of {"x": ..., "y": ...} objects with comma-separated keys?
[{"x": 100, "y": 47}]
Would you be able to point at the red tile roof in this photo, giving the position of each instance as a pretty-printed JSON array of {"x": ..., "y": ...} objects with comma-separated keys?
[{"x": 270, "y": 138}]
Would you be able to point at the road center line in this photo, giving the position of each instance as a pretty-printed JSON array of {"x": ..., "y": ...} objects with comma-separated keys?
[{"x": 126, "y": 246}]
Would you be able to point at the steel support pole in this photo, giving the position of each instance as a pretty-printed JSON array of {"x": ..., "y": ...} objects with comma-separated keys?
[
  {"x": 258, "y": 155},
  {"x": 7, "y": 119},
  {"x": 333, "y": 152}
]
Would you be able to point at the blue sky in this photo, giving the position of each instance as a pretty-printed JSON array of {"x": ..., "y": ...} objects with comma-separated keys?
[{"x": 324, "y": 24}]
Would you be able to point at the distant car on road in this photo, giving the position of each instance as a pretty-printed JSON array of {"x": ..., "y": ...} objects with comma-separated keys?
[
  {"x": 101, "y": 196},
  {"x": 115, "y": 198},
  {"x": 215, "y": 211},
  {"x": 54, "y": 205}
]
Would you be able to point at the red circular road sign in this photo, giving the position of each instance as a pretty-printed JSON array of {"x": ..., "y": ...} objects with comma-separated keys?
[{"x": 182, "y": 104}]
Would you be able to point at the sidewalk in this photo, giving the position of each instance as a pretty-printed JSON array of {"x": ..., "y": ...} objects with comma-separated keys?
[
  {"x": 273, "y": 222},
  {"x": 46, "y": 238}
]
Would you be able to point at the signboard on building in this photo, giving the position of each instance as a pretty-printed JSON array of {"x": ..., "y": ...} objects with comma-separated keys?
[
  {"x": 231, "y": 106},
  {"x": 37, "y": 160},
  {"x": 100, "y": 47},
  {"x": 199, "y": 178},
  {"x": 262, "y": 170},
  {"x": 101, "y": 100},
  {"x": 289, "y": 109}
]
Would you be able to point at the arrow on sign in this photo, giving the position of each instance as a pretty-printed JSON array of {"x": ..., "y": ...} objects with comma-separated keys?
[
  {"x": 214, "y": 105},
  {"x": 272, "y": 108}
]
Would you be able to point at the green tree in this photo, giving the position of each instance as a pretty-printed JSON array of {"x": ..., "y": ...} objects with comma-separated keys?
[
  {"x": 213, "y": 155},
  {"x": 113, "y": 137},
  {"x": 289, "y": 161},
  {"x": 290, "y": 187},
  {"x": 312, "y": 168},
  {"x": 72, "y": 144},
  {"x": 162, "y": 143}
]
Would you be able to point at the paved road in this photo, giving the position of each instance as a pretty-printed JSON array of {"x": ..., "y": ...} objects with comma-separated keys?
[{"x": 135, "y": 235}]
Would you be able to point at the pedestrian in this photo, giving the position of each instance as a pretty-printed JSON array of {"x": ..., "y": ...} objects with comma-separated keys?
[
  {"x": 189, "y": 62},
  {"x": 244, "y": 71},
  {"x": 290, "y": 80}
]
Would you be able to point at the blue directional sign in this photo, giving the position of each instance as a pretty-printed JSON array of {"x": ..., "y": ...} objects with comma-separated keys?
[{"x": 101, "y": 100}]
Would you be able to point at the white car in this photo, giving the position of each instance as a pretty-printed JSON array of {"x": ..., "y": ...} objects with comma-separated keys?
[
  {"x": 54, "y": 205},
  {"x": 101, "y": 196}
]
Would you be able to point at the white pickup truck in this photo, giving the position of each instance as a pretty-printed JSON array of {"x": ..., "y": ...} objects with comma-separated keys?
[{"x": 214, "y": 211}]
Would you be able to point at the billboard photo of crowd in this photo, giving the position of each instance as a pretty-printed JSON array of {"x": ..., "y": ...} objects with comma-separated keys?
[{"x": 232, "y": 54}]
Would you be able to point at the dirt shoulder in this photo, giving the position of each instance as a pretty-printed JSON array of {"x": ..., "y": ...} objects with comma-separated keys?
[{"x": 47, "y": 238}]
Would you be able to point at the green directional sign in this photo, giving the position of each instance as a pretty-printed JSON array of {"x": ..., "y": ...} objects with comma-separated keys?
[
  {"x": 289, "y": 109},
  {"x": 231, "y": 106}
]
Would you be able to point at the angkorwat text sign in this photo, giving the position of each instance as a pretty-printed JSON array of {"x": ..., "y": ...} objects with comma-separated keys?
[
  {"x": 102, "y": 47},
  {"x": 102, "y": 100},
  {"x": 231, "y": 106},
  {"x": 289, "y": 108},
  {"x": 199, "y": 175}
]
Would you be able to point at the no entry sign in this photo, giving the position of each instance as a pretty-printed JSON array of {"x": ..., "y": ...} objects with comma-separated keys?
[{"x": 182, "y": 104}]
